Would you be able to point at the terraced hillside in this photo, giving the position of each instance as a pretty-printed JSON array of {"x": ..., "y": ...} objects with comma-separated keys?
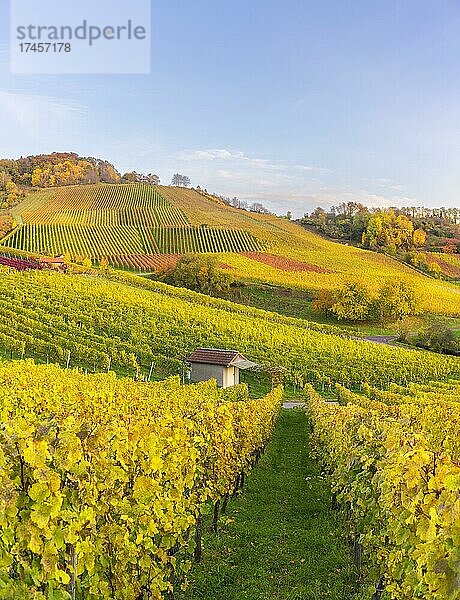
[
  {"x": 145, "y": 228},
  {"x": 127, "y": 224}
]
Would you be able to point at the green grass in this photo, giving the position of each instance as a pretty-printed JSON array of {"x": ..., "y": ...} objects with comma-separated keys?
[
  {"x": 285, "y": 301},
  {"x": 260, "y": 383},
  {"x": 297, "y": 303},
  {"x": 280, "y": 539}
]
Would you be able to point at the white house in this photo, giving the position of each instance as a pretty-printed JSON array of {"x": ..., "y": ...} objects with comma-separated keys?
[{"x": 222, "y": 365}]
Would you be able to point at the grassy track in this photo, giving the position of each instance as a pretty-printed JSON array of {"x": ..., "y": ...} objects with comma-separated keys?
[{"x": 279, "y": 539}]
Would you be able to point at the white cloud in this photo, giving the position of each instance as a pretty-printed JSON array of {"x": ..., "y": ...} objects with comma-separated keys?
[
  {"x": 388, "y": 184},
  {"x": 222, "y": 154},
  {"x": 311, "y": 169},
  {"x": 281, "y": 185},
  {"x": 241, "y": 159},
  {"x": 218, "y": 153}
]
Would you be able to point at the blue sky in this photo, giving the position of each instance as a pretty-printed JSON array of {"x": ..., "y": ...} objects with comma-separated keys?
[{"x": 295, "y": 103}]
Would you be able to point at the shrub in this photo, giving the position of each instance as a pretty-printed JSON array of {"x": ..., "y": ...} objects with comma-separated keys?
[{"x": 200, "y": 274}]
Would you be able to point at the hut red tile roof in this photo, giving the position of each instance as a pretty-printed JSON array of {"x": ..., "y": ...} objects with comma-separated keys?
[
  {"x": 214, "y": 356},
  {"x": 57, "y": 260}
]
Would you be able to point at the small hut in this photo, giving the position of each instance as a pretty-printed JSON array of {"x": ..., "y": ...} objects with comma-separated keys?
[
  {"x": 222, "y": 365},
  {"x": 57, "y": 262}
]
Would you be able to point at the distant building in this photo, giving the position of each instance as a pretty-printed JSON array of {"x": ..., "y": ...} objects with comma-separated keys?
[
  {"x": 57, "y": 262},
  {"x": 222, "y": 365}
]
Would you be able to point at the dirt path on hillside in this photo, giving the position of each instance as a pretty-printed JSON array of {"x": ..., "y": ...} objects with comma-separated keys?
[{"x": 389, "y": 340}]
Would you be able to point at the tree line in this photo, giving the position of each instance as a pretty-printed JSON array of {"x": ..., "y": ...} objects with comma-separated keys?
[{"x": 390, "y": 230}]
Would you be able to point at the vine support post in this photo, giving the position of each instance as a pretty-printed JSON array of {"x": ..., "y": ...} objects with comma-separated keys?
[
  {"x": 237, "y": 485},
  {"x": 357, "y": 553},
  {"x": 215, "y": 521},
  {"x": 73, "y": 574},
  {"x": 379, "y": 589},
  {"x": 198, "y": 546}
]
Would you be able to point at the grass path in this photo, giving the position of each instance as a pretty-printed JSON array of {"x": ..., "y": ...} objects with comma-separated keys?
[{"x": 280, "y": 539}]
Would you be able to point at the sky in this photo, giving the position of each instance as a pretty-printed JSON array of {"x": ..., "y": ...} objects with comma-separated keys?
[{"x": 294, "y": 103}]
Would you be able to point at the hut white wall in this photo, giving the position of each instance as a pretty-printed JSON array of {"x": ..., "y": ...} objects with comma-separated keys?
[
  {"x": 203, "y": 372},
  {"x": 231, "y": 377},
  {"x": 225, "y": 377}
]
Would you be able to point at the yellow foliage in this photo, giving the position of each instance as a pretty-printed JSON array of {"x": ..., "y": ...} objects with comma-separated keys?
[
  {"x": 114, "y": 487},
  {"x": 393, "y": 459}
]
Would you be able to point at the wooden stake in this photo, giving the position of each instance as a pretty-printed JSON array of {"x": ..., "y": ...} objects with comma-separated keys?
[
  {"x": 215, "y": 520},
  {"x": 379, "y": 589},
  {"x": 198, "y": 548}
]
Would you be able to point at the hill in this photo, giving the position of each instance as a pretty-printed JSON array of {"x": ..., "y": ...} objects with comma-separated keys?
[
  {"x": 126, "y": 322},
  {"x": 126, "y": 223},
  {"x": 139, "y": 227}
]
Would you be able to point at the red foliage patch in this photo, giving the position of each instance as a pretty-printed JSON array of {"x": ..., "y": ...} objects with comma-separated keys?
[
  {"x": 146, "y": 262},
  {"x": 448, "y": 269},
  {"x": 284, "y": 264}
]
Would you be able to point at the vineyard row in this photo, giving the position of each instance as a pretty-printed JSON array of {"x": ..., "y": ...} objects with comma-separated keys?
[{"x": 97, "y": 242}]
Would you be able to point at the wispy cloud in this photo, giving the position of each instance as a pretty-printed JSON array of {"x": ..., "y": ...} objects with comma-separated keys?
[
  {"x": 312, "y": 169},
  {"x": 222, "y": 154},
  {"x": 36, "y": 122},
  {"x": 30, "y": 111},
  {"x": 281, "y": 184}
]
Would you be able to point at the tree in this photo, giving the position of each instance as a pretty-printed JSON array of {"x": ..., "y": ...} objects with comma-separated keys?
[
  {"x": 387, "y": 231},
  {"x": 199, "y": 273},
  {"x": 395, "y": 301},
  {"x": 419, "y": 238},
  {"x": 324, "y": 301},
  {"x": 258, "y": 207},
  {"x": 434, "y": 269},
  {"x": 11, "y": 193},
  {"x": 87, "y": 265},
  {"x": 6, "y": 224},
  {"x": 352, "y": 303},
  {"x": 130, "y": 177},
  {"x": 135, "y": 177},
  {"x": 152, "y": 179},
  {"x": 180, "y": 180}
]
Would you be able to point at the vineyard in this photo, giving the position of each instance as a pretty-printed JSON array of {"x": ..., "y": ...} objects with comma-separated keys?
[
  {"x": 103, "y": 205},
  {"x": 449, "y": 263},
  {"x": 114, "y": 242},
  {"x": 130, "y": 225},
  {"x": 136, "y": 227},
  {"x": 129, "y": 323},
  {"x": 103, "y": 480},
  {"x": 392, "y": 458},
  {"x": 106, "y": 479}
]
